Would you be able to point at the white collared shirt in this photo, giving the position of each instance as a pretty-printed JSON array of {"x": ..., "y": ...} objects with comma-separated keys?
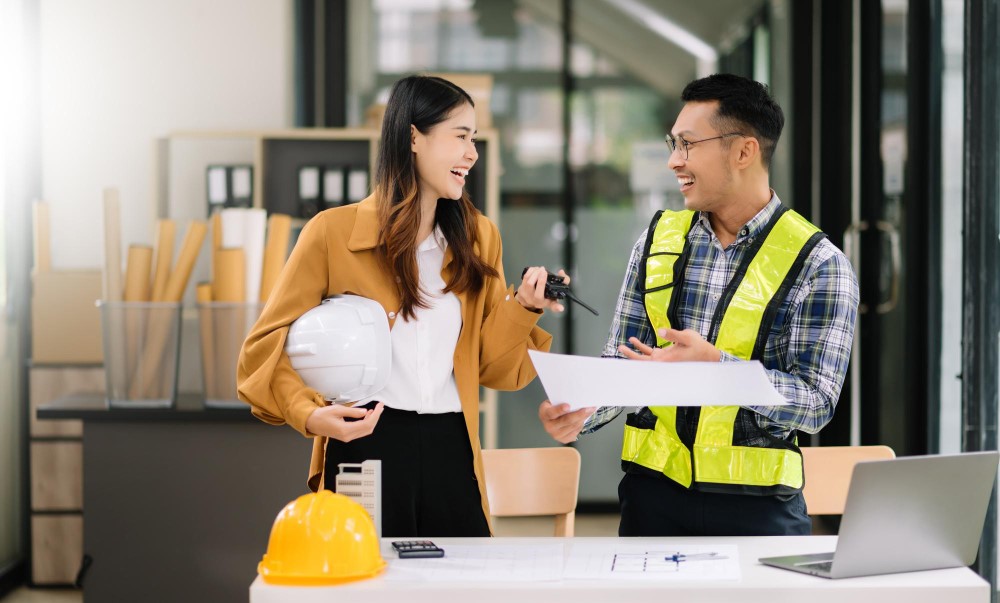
[{"x": 423, "y": 348}]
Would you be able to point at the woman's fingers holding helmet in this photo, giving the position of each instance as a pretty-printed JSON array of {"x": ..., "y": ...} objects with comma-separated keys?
[
  {"x": 344, "y": 423},
  {"x": 354, "y": 430}
]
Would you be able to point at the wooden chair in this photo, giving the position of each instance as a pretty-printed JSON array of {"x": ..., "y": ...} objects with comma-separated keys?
[
  {"x": 533, "y": 481},
  {"x": 828, "y": 474}
]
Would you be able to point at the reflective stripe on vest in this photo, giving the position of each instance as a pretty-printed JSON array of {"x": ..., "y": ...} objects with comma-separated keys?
[{"x": 741, "y": 332}]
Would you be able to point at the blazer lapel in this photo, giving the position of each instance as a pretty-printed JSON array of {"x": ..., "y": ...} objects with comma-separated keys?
[{"x": 364, "y": 235}]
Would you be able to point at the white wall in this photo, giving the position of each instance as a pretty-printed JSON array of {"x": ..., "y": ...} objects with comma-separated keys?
[{"x": 117, "y": 74}]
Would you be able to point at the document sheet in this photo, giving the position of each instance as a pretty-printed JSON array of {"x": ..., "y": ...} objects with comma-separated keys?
[
  {"x": 469, "y": 563},
  {"x": 582, "y": 381},
  {"x": 645, "y": 562},
  {"x": 572, "y": 561}
]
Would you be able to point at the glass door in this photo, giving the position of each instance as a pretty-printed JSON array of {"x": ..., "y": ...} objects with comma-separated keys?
[{"x": 900, "y": 258}]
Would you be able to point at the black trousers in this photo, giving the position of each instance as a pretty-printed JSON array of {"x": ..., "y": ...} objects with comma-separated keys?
[
  {"x": 657, "y": 506},
  {"x": 429, "y": 487}
]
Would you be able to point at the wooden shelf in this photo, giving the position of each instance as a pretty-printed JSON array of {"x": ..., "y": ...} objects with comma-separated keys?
[{"x": 56, "y": 459}]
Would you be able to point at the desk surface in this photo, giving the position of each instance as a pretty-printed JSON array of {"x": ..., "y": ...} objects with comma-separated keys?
[
  {"x": 189, "y": 408},
  {"x": 758, "y": 583}
]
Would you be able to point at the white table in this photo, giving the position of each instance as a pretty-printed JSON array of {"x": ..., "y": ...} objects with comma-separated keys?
[{"x": 758, "y": 583}]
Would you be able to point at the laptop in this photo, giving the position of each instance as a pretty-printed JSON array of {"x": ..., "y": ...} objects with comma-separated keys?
[{"x": 905, "y": 515}]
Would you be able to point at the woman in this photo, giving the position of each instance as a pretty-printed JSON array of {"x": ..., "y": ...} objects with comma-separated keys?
[{"x": 419, "y": 247}]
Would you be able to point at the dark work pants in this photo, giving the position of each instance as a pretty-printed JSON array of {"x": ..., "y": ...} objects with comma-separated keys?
[
  {"x": 429, "y": 487},
  {"x": 657, "y": 506}
]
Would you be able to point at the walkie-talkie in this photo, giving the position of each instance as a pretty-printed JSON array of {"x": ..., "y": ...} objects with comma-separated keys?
[{"x": 555, "y": 288}]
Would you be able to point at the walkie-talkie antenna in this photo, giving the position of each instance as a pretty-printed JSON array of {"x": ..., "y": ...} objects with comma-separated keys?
[
  {"x": 555, "y": 288},
  {"x": 577, "y": 300}
]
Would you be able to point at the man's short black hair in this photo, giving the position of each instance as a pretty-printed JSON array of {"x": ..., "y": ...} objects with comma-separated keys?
[{"x": 744, "y": 106}]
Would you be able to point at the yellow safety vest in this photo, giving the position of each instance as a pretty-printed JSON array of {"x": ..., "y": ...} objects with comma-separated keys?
[{"x": 741, "y": 325}]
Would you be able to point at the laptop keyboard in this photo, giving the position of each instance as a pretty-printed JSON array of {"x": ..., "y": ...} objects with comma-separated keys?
[{"x": 823, "y": 566}]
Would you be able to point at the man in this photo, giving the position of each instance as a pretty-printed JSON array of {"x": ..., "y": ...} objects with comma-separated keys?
[{"x": 737, "y": 276}]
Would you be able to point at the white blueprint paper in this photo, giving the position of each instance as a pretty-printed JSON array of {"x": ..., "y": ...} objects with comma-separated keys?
[
  {"x": 479, "y": 563},
  {"x": 582, "y": 381},
  {"x": 648, "y": 562}
]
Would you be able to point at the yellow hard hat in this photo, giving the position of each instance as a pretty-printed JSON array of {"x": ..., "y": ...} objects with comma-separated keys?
[{"x": 321, "y": 538}]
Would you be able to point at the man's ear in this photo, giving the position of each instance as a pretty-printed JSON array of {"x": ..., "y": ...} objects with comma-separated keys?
[{"x": 746, "y": 152}]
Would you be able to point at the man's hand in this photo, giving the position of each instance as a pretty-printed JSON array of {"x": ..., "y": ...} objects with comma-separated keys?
[
  {"x": 330, "y": 421},
  {"x": 688, "y": 346},
  {"x": 564, "y": 426}
]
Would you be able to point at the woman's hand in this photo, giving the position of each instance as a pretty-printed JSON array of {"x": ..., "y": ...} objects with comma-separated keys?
[
  {"x": 563, "y": 424},
  {"x": 531, "y": 293},
  {"x": 330, "y": 421}
]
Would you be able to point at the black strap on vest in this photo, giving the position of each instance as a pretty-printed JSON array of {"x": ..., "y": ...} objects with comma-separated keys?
[
  {"x": 679, "y": 266},
  {"x": 646, "y": 255},
  {"x": 779, "y": 296}
]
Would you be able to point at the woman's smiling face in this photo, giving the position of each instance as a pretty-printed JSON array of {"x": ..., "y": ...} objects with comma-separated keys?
[{"x": 445, "y": 154}]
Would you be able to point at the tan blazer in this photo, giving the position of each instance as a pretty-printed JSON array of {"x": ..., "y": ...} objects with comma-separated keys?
[{"x": 335, "y": 253}]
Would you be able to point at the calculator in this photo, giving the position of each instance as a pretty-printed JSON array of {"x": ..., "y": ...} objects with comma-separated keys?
[{"x": 412, "y": 549}]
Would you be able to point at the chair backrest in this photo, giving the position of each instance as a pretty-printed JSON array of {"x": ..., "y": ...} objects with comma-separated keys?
[
  {"x": 828, "y": 474},
  {"x": 534, "y": 481}
]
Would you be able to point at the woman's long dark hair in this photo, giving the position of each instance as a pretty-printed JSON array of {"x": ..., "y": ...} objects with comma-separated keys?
[{"x": 421, "y": 101}]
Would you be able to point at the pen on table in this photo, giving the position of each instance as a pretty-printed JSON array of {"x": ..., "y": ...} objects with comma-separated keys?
[{"x": 678, "y": 557}]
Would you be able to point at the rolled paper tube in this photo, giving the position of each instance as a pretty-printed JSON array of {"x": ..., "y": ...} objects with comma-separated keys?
[
  {"x": 166, "y": 231},
  {"x": 232, "y": 222},
  {"x": 255, "y": 227},
  {"x": 119, "y": 349},
  {"x": 227, "y": 336},
  {"x": 216, "y": 240},
  {"x": 43, "y": 234},
  {"x": 217, "y": 230},
  {"x": 279, "y": 228},
  {"x": 178, "y": 279},
  {"x": 148, "y": 379},
  {"x": 112, "y": 246},
  {"x": 160, "y": 323},
  {"x": 203, "y": 294},
  {"x": 230, "y": 276},
  {"x": 137, "y": 267},
  {"x": 234, "y": 235}
]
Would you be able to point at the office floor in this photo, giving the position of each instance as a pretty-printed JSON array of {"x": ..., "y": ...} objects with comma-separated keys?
[
  {"x": 586, "y": 525},
  {"x": 44, "y": 595}
]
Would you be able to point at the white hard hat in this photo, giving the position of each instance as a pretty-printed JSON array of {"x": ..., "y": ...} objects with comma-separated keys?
[{"x": 341, "y": 348}]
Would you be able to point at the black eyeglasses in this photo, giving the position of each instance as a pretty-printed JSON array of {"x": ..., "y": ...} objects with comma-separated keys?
[{"x": 675, "y": 142}]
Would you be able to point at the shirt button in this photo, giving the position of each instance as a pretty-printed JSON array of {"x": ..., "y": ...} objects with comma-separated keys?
[
  {"x": 744, "y": 232},
  {"x": 392, "y": 315}
]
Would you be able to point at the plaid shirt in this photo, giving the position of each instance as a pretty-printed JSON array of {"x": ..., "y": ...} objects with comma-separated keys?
[{"x": 809, "y": 346}]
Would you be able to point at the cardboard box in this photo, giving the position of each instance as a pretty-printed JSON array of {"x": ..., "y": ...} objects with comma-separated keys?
[
  {"x": 374, "y": 115},
  {"x": 478, "y": 85},
  {"x": 65, "y": 322}
]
